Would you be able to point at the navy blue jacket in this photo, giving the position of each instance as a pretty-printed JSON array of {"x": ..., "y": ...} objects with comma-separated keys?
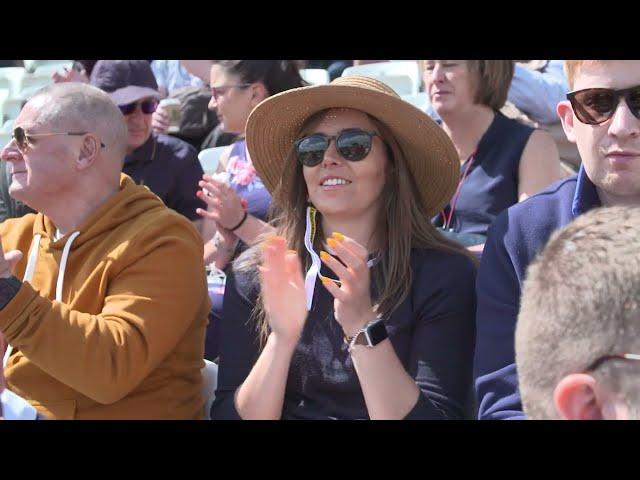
[
  {"x": 514, "y": 239},
  {"x": 432, "y": 332},
  {"x": 170, "y": 168}
]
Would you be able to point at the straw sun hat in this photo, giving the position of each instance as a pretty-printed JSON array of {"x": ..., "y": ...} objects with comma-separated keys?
[{"x": 432, "y": 160}]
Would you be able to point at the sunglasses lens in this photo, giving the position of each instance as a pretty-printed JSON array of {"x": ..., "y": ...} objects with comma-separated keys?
[
  {"x": 19, "y": 136},
  {"x": 354, "y": 145},
  {"x": 311, "y": 149},
  {"x": 595, "y": 105},
  {"x": 149, "y": 106},
  {"x": 127, "y": 109},
  {"x": 633, "y": 101}
]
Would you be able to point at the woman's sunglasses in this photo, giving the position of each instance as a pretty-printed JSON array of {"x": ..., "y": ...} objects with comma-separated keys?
[
  {"x": 352, "y": 144},
  {"x": 594, "y": 106},
  {"x": 147, "y": 107}
]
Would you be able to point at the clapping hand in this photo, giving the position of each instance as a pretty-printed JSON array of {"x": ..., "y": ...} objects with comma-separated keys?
[
  {"x": 352, "y": 304},
  {"x": 282, "y": 288},
  {"x": 225, "y": 206}
]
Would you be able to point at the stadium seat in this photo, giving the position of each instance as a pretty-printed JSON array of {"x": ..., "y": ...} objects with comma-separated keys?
[
  {"x": 32, "y": 83},
  {"x": 13, "y": 77},
  {"x": 403, "y": 76},
  {"x": 419, "y": 100},
  {"x": 32, "y": 65},
  {"x": 209, "y": 158},
  {"x": 11, "y": 108},
  {"x": 4, "y": 139},
  {"x": 315, "y": 76},
  {"x": 49, "y": 70},
  {"x": 209, "y": 385}
]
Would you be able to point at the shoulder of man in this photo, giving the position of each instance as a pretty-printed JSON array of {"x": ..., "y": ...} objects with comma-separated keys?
[
  {"x": 169, "y": 145},
  {"x": 526, "y": 226}
]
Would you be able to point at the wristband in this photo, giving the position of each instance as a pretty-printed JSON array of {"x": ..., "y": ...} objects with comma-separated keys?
[{"x": 244, "y": 219}]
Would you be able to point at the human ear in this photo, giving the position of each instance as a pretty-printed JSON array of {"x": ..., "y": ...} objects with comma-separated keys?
[
  {"x": 578, "y": 396},
  {"x": 565, "y": 112},
  {"x": 89, "y": 152}
]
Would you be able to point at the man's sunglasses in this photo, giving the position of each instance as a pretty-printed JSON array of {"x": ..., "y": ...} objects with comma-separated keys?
[
  {"x": 22, "y": 138},
  {"x": 352, "y": 144},
  {"x": 147, "y": 107},
  {"x": 594, "y": 106}
]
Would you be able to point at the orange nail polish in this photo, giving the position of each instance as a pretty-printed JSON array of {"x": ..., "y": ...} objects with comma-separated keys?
[
  {"x": 325, "y": 280},
  {"x": 331, "y": 242},
  {"x": 338, "y": 236},
  {"x": 324, "y": 256}
]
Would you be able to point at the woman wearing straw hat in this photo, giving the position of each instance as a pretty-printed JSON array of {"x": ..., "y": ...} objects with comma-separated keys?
[{"x": 358, "y": 308}]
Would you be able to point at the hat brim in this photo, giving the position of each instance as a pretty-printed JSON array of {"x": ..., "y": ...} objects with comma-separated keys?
[
  {"x": 132, "y": 93},
  {"x": 430, "y": 156}
]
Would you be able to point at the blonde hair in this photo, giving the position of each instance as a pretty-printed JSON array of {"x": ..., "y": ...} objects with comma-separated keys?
[
  {"x": 572, "y": 68},
  {"x": 581, "y": 301},
  {"x": 402, "y": 225}
]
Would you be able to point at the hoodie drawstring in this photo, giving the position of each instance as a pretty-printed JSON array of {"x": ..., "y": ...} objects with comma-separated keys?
[{"x": 31, "y": 266}]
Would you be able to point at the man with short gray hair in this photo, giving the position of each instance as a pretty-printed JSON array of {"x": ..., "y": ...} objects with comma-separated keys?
[
  {"x": 103, "y": 295},
  {"x": 578, "y": 330}
]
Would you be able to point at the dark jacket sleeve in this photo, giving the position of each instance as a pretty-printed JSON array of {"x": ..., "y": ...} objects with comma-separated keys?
[
  {"x": 184, "y": 199},
  {"x": 498, "y": 290},
  {"x": 239, "y": 350},
  {"x": 441, "y": 357}
]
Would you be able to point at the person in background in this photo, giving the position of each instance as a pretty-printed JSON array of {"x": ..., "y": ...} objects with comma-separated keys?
[
  {"x": 169, "y": 167},
  {"x": 502, "y": 161},
  {"x": 238, "y": 203}
]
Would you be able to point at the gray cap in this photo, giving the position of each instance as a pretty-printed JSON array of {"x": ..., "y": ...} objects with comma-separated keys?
[{"x": 126, "y": 81}]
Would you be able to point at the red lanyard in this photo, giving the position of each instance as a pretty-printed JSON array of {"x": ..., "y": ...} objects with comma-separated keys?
[{"x": 454, "y": 200}]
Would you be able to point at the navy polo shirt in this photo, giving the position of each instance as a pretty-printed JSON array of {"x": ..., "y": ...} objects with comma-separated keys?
[
  {"x": 514, "y": 239},
  {"x": 170, "y": 168}
]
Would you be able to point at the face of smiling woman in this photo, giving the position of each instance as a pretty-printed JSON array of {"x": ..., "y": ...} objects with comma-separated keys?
[{"x": 341, "y": 188}]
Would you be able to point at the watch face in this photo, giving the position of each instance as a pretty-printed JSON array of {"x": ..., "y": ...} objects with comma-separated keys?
[{"x": 377, "y": 332}]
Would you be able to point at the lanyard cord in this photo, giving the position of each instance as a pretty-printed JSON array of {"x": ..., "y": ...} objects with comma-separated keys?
[{"x": 454, "y": 200}]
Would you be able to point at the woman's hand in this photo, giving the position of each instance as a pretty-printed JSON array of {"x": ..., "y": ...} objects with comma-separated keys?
[
  {"x": 224, "y": 205},
  {"x": 352, "y": 304},
  {"x": 282, "y": 288},
  {"x": 160, "y": 120}
]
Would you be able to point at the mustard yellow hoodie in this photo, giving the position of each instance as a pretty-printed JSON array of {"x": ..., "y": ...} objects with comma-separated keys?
[{"x": 127, "y": 338}]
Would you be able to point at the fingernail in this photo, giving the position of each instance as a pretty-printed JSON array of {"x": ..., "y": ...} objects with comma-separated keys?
[
  {"x": 324, "y": 256},
  {"x": 338, "y": 236},
  {"x": 325, "y": 280},
  {"x": 292, "y": 252},
  {"x": 331, "y": 242}
]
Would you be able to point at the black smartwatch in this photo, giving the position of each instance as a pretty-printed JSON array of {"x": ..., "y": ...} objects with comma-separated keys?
[
  {"x": 9, "y": 288},
  {"x": 370, "y": 335}
]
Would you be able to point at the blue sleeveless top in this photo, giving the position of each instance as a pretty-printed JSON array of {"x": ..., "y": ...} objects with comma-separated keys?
[{"x": 491, "y": 185}]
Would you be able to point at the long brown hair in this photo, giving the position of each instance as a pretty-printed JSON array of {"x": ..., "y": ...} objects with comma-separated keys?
[{"x": 402, "y": 225}]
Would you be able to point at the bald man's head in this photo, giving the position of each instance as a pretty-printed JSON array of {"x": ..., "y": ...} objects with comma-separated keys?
[{"x": 78, "y": 107}]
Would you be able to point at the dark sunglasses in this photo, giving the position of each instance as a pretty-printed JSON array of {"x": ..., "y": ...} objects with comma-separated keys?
[
  {"x": 22, "y": 138},
  {"x": 147, "y": 107},
  {"x": 352, "y": 144},
  {"x": 594, "y": 106}
]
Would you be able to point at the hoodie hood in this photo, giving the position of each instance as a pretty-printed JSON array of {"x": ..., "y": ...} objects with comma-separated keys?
[{"x": 129, "y": 202}]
